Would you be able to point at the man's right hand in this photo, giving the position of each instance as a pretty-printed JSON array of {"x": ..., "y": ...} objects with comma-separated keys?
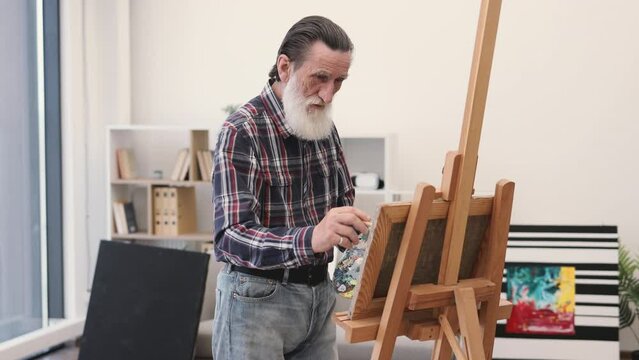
[{"x": 341, "y": 224}]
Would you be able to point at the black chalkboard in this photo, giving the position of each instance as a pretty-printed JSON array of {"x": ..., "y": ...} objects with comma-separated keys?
[{"x": 145, "y": 303}]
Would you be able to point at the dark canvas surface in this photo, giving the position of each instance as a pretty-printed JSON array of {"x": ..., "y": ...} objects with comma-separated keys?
[
  {"x": 145, "y": 303},
  {"x": 427, "y": 268}
]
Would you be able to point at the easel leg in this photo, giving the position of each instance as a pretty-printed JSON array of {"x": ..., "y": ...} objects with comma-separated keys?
[
  {"x": 488, "y": 318},
  {"x": 469, "y": 322},
  {"x": 498, "y": 239},
  {"x": 443, "y": 350},
  {"x": 449, "y": 333},
  {"x": 406, "y": 262}
]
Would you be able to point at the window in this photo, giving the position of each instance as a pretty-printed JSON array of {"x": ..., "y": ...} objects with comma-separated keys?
[{"x": 30, "y": 177}]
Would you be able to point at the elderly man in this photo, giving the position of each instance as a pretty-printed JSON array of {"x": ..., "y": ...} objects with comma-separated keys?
[{"x": 282, "y": 200}]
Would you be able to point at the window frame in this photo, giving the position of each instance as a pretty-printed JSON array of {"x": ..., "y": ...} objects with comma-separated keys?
[{"x": 53, "y": 158}]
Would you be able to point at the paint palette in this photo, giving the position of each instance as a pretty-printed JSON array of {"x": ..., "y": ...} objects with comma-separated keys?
[{"x": 347, "y": 270}]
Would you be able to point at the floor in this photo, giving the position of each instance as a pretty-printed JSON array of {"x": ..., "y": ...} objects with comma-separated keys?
[
  {"x": 68, "y": 352},
  {"x": 404, "y": 349}
]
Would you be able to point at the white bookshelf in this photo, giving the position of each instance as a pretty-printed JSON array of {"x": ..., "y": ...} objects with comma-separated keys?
[{"x": 155, "y": 148}]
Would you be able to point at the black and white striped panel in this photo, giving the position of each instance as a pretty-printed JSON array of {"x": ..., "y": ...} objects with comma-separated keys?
[{"x": 593, "y": 251}]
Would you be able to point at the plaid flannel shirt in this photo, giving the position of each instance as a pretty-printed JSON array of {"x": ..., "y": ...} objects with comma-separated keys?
[{"x": 270, "y": 188}]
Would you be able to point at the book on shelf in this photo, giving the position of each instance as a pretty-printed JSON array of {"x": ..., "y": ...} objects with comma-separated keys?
[
  {"x": 118, "y": 222},
  {"x": 201, "y": 165},
  {"x": 129, "y": 214},
  {"x": 208, "y": 157},
  {"x": 181, "y": 162},
  {"x": 174, "y": 210},
  {"x": 126, "y": 164},
  {"x": 124, "y": 217},
  {"x": 205, "y": 162},
  {"x": 186, "y": 166}
]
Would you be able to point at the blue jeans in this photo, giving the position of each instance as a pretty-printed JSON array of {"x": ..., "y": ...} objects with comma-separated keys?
[{"x": 259, "y": 318}]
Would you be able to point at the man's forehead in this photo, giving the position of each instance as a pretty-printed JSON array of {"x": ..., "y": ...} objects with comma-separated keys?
[{"x": 321, "y": 58}]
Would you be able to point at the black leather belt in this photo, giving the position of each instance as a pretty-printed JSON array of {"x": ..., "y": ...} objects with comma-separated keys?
[{"x": 309, "y": 275}]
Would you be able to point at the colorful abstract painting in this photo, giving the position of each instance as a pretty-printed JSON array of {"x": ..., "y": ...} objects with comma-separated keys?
[
  {"x": 593, "y": 251},
  {"x": 543, "y": 300}
]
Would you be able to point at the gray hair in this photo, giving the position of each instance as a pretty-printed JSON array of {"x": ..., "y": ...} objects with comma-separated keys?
[{"x": 304, "y": 33}]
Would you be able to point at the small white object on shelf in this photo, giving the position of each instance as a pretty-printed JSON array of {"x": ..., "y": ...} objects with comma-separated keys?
[{"x": 367, "y": 181}]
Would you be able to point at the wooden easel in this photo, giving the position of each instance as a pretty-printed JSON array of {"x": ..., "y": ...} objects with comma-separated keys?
[{"x": 439, "y": 309}]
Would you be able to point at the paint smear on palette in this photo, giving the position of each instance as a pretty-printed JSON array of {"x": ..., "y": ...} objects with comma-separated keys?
[
  {"x": 543, "y": 300},
  {"x": 348, "y": 268}
]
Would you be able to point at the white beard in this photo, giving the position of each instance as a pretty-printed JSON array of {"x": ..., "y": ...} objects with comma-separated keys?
[{"x": 313, "y": 124}]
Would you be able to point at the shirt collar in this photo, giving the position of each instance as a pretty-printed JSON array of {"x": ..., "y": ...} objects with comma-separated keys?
[{"x": 275, "y": 110}]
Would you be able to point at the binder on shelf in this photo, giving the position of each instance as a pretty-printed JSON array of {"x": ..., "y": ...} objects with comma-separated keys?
[
  {"x": 126, "y": 164},
  {"x": 181, "y": 209},
  {"x": 174, "y": 210},
  {"x": 158, "y": 206}
]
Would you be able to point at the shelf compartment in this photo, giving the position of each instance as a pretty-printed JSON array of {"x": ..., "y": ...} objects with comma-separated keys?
[
  {"x": 147, "y": 236},
  {"x": 163, "y": 182}
]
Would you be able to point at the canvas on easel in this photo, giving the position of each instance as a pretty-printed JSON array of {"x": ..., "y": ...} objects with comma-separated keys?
[
  {"x": 483, "y": 252},
  {"x": 434, "y": 267}
]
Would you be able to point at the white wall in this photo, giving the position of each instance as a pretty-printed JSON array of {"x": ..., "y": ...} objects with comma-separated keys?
[
  {"x": 94, "y": 42},
  {"x": 560, "y": 113},
  {"x": 560, "y": 117}
]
